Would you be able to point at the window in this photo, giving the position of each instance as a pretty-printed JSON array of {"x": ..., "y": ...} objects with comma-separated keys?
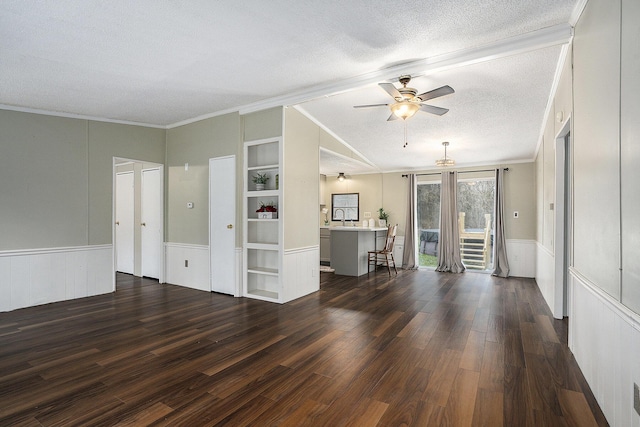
[{"x": 345, "y": 207}]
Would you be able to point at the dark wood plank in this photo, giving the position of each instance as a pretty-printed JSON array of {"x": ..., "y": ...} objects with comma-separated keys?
[{"x": 420, "y": 348}]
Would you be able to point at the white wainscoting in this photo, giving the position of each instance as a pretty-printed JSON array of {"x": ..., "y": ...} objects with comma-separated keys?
[
  {"x": 545, "y": 271},
  {"x": 196, "y": 275},
  {"x": 301, "y": 276},
  {"x": 522, "y": 257},
  {"x": 40, "y": 276},
  {"x": 604, "y": 337}
]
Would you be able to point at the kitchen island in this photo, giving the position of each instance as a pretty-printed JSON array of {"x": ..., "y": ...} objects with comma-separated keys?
[{"x": 350, "y": 246}]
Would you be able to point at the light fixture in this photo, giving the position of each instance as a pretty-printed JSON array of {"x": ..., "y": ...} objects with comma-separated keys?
[
  {"x": 405, "y": 109},
  {"x": 341, "y": 177},
  {"x": 445, "y": 161}
]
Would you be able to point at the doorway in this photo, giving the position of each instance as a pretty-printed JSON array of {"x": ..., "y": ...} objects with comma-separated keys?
[
  {"x": 138, "y": 193},
  {"x": 563, "y": 217}
]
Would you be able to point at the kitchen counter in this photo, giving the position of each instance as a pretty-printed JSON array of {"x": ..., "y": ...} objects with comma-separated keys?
[{"x": 350, "y": 247}]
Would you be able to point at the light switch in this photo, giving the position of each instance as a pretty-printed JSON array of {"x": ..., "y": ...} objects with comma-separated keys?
[
  {"x": 367, "y": 214},
  {"x": 189, "y": 205}
]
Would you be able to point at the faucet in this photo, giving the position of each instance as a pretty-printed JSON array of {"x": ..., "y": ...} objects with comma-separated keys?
[{"x": 343, "y": 215}]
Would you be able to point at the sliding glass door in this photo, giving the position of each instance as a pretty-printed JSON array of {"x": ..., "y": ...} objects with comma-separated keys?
[
  {"x": 428, "y": 215},
  {"x": 476, "y": 199},
  {"x": 475, "y": 219}
]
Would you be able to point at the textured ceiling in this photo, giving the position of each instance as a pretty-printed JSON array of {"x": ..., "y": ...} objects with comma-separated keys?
[{"x": 164, "y": 62}]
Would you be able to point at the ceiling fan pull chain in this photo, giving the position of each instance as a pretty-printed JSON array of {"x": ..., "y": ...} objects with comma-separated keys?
[{"x": 405, "y": 135}]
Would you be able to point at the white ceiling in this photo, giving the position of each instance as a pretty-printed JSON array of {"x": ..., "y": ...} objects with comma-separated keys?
[{"x": 164, "y": 63}]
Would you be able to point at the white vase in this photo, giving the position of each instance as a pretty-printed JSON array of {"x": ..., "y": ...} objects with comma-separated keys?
[{"x": 259, "y": 187}]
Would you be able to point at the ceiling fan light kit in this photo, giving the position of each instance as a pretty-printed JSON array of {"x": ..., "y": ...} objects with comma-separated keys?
[
  {"x": 405, "y": 109},
  {"x": 408, "y": 102},
  {"x": 445, "y": 161}
]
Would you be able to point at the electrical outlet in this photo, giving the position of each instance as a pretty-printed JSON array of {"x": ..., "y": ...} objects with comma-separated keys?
[
  {"x": 636, "y": 398},
  {"x": 186, "y": 263},
  {"x": 516, "y": 214}
]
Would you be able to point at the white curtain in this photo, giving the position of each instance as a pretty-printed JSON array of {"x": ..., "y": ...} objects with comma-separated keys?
[
  {"x": 501, "y": 263},
  {"x": 449, "y": 240},
  {"x": 409, "y": 251}
]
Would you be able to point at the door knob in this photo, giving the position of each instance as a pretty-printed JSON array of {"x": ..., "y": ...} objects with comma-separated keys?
[
  {"x": 117, "y": 222},
  {"x": 230, "y": 226},
  {"x": 144, "y": 224}
]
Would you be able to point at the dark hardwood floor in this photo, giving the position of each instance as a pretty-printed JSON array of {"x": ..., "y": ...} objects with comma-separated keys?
[{"x": 420, "y": 348}]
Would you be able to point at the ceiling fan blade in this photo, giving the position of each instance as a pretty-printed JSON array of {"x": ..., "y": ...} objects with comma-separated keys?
[
  {"x": 392, "y": 117},
  {"x": 436, "y": 93},
  {"x": 370, "y": 105},
  {"x": 433, "y": 109},
  {"x": 391, "y": 90}
]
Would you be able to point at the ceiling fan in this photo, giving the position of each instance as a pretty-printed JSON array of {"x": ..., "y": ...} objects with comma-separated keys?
[{"x": 407, "y": 103}]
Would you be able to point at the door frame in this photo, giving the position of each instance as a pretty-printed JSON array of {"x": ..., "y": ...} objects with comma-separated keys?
[
  {"x": 117, "y": 160},
  {"x": 562, "y": 221},
  {"x": 237, "y": 285}
]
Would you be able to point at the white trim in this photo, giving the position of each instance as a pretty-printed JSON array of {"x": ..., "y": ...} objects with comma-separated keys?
[
  {"x": 559, "y": 215},
  {"x": 202, "y": 117},
  {"x": 577, "y": 12},
  {"x": 566, "y": 49},
  {"x": 40, "y": 251},
  {"x": 77, "y": 116},
  {"x": 534, "y": 40},
  {"x": 301, "y": 249},
  {"x": 611, "y": 303},
  {"x": 186, "y": 246},
  {"x": 462, "y": 168},
  {"x": 336, "y": 137}
]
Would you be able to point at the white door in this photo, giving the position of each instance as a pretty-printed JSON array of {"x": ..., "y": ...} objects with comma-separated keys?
[
  {"x": 124, "y": 222},
  {"x": 222, "y": 218},
  {"x": 151, "y": 224}
]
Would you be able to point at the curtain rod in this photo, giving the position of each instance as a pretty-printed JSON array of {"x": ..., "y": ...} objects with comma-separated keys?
[{"x": 438, "y": 173}]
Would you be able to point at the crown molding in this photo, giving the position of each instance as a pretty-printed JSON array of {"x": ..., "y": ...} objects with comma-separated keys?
[
  {"x": 577, "y": 12},
  {"x": 77, "y": 116},
  {"x": 545, "y": 37}
]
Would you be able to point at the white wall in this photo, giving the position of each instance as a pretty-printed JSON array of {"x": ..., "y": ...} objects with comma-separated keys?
[{"x": 604, "y": 296}]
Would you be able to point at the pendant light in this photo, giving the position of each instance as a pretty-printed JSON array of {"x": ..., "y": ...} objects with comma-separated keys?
[{"x": 445, "y": 161}]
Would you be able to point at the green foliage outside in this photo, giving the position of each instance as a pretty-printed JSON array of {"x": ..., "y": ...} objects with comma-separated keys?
[{"x": 428, "y": 261}]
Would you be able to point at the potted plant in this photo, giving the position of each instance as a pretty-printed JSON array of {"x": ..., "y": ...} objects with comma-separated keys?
[
  {"x": 383, "y": 217},
  {"x": 260, "y": 179},
  {"x": 268, "y": 211}
]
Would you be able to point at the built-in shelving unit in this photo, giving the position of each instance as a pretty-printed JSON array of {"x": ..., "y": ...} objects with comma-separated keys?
[{"x": 263, "y": 245}]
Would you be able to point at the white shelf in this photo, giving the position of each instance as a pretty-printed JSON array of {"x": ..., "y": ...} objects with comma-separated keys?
[
  {"x": 263, "y": 193},
  {"x": 263, "y": 167},
  {"x": 263, "y": 270},
  {"x": 263, "y": 246},
  {"x": 262, "y": 236},
  {"x": 263, "y": 294}
]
